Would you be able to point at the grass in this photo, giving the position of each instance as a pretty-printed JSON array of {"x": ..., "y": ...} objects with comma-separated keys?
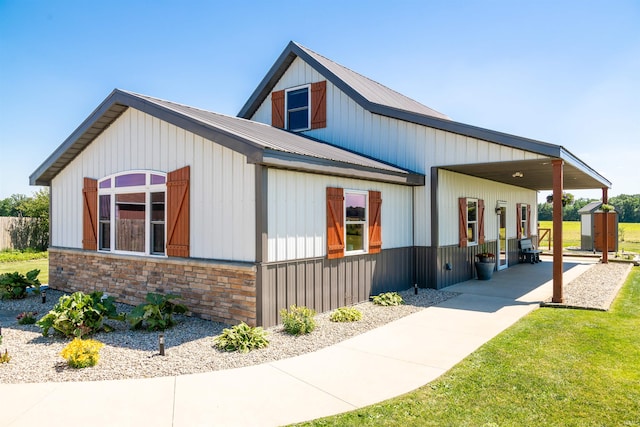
[
  {"x": 628, "y": 234},
  {"x": 553, "y": 367},
  {"x": 23, "y": 262}
]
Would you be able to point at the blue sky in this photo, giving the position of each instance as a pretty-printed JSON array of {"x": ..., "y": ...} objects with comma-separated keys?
[{"x": 564, "y": 72}]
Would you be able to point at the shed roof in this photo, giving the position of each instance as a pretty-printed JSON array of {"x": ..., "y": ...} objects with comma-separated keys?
[
  {"x": 590, "y": 208},
  {"x": 378, "y": 99},
  {"x": 262, "y": 144}
]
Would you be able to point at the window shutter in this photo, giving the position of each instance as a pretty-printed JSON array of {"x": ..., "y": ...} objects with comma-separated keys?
[
  {"x": 480, "y": 221},
  {"x": 335, "y": 223},
  {"x": 319, "y": 105},
  {"x": 519, "y": 220},
  {"x": 462, "y": 221},
  {"x": 529, "y": 220},
  {"x": 90, "y": 214},
  {"x": 178, "y": 212},
  {"x": 277, "y": 109},
  {"x": 375, "y": 222}
]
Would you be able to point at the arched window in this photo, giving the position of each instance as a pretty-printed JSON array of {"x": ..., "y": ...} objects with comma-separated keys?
[{"x": 132, "y": 213}]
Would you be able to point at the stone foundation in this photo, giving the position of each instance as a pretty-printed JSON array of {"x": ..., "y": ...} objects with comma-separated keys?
[{"x": 218, "y": 291}]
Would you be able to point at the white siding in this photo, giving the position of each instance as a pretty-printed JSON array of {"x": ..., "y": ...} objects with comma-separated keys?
[
  {"x": 453, "y": 186},
  {"x": 297, "y": 219},
  {"x": 407, "y": 145},
  {"x": 222, "y": 183}
]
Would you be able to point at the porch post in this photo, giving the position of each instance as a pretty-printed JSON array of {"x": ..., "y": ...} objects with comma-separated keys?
[
  {"x": 557, "y": 230},
  {"x": 605, "y": 228}
]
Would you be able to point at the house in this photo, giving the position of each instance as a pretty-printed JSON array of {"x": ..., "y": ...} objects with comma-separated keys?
[{"x": 327, "y": 188}]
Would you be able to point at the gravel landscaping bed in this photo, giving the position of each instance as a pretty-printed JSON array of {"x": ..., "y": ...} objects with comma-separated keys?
[{"x": 190, "y": 348}]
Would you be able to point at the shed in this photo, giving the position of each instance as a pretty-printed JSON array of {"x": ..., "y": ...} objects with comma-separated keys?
[{"x": 591, "y": 227}]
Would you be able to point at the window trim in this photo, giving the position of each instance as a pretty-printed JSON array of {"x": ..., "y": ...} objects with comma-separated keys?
[
  {"x": 476, "y": 240},
  {"x": 286, "y": 107},
  {"x": 365, "y": 223},
  {"x": 524, "y": 220},
  {"x": 147, "y": 188}
]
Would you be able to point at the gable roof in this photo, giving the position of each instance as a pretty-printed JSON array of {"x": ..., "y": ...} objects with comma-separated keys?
[
  {"x": 379, "y": 99},
  {"x": 262, "y": 144}
]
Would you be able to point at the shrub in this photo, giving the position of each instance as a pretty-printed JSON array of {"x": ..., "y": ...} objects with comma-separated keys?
[
  {"x": 81, "y": 353},
  {"x": 298, "y": 320},
  {"x": 14, "y": 285},
  {"x": 242, "y": 338},
  {"x": 27, "y": 317},
  {"x": 80, "y": 314},
  {"x": 4, "y": 357},
  {"x": 157, "y": 312},
  {"x": 346, "y": 314},
  {"x": 388, "y": 298}
]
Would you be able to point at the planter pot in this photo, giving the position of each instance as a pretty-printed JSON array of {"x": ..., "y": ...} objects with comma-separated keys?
[{"x": 485, "y": 270}]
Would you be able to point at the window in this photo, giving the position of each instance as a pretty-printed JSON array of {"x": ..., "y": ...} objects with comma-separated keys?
[
  {"x": 355, "y": 221},
  {"x": 472, "y": 221},
  {"x": 523, "y": 220},
  {"x": 297, "y": 107},
  {"x": 132, "y": 213},
  {"x": 354, "y": 224}
]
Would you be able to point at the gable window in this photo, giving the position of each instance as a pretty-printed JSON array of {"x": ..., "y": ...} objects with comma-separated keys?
[
  {"x": 297, "y": 106},
  {"x": 132, "y": 213},
  {"x": 470, "y": 221}
]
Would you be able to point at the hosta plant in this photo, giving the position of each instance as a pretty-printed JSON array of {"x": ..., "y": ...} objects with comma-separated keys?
[
  {"x": 298, "y": 320},
  {"x": 79, "y": 314},
  {"x": 81, "y": 353},
  {"x": 242, "y": 338},
  {"x": 346, "y": 314},
  {"x": 14, "y": 285},
  {"x": 156, "y": 313},
  {"x": 388, "y": 298}
]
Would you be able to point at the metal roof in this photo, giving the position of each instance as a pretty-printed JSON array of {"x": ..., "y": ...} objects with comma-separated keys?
[
  {"x": 262, "y": 144},
  {"x": 379, "y": 99}
]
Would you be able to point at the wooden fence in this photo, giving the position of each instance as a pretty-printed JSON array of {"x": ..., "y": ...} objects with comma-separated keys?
[{"x": 5, "y": 237}]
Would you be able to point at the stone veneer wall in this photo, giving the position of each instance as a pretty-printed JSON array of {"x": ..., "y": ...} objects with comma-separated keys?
[{"x": 218, "y": 291}]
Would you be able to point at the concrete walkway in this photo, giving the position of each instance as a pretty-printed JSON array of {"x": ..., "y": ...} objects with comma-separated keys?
[{"x": 377, "y": 365}]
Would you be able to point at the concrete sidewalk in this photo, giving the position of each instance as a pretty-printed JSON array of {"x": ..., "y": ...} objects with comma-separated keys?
[{"x": 377, "y": 365}]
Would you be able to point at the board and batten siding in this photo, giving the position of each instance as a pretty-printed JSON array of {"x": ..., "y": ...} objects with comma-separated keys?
[
  {"x": 297, "y": 219},
  {"x": 452, "y": 186},
  {"x": 222, "y": 214},
  {"x": 404, "y": 144}
]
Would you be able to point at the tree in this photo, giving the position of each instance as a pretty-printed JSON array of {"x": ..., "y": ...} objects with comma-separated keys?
[
  {"x": 10, "y": 205},
  {"x": 31, "y": 229},
  {"x": 627, "y": 206}
]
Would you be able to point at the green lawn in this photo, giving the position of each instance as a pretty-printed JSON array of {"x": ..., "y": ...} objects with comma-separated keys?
[
  {"x": 23, "y": 266},
  {"x": 554, "y": 367},
  {"x": 628, "y": 235}
]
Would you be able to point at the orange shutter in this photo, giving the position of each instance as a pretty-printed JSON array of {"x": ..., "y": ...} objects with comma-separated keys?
[
  {"x": 529, "y": 220},
  {"x": 319, "y": 105},
  {"x": 480, "y": 221},
  {"x": 462, "y": 222},
  {"x": 90, "y": 214},
  {"x": 335, "y": 223},
  {"x": 375, "y": 222},
  {"x": 519, "y": 221},
  {"x": 178, "y": 212},
  {"x": 277, "y": 109}
]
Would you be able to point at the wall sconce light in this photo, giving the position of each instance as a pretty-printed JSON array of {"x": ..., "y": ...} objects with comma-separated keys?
[
  {"x": 517, "y": 174},
  {"x": 498, "y": 209},
  {"x": 448, "y": 267}
]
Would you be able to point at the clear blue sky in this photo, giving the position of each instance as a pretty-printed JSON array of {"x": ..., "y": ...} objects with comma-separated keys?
[{"x": 564, "y": 72}]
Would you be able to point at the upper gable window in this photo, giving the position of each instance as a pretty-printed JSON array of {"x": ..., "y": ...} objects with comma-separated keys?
[{"x": 297, "y": 107}]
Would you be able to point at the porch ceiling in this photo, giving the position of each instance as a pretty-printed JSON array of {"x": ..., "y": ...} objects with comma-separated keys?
[{"x": 536, "y": 174}]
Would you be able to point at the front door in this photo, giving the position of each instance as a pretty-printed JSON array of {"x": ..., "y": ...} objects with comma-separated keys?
[{"x": 502, "y": 255}]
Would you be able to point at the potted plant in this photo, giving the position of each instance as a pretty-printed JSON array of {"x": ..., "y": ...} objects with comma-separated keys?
[{"x": 486, "y": 264}]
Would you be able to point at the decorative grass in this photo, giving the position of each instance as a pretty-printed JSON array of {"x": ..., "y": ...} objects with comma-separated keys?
[{"x": 554, "y": 367}]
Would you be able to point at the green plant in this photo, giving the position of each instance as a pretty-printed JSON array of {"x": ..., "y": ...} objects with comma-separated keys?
[
  {"x": 388, "y": 299},
  {"x": 80, "y": 314},
  {"x": 4, "y": 357},
  {"x": 14, "y": 285},
  {"x": 27, "y": 317},
  {"x": 242, "y": 338},
  {"x": 298, "y": 320},
  {"x": 346, "y": 314},
  {"x": 81, "y": 353},
  {"x": 157, "y": 312}
]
